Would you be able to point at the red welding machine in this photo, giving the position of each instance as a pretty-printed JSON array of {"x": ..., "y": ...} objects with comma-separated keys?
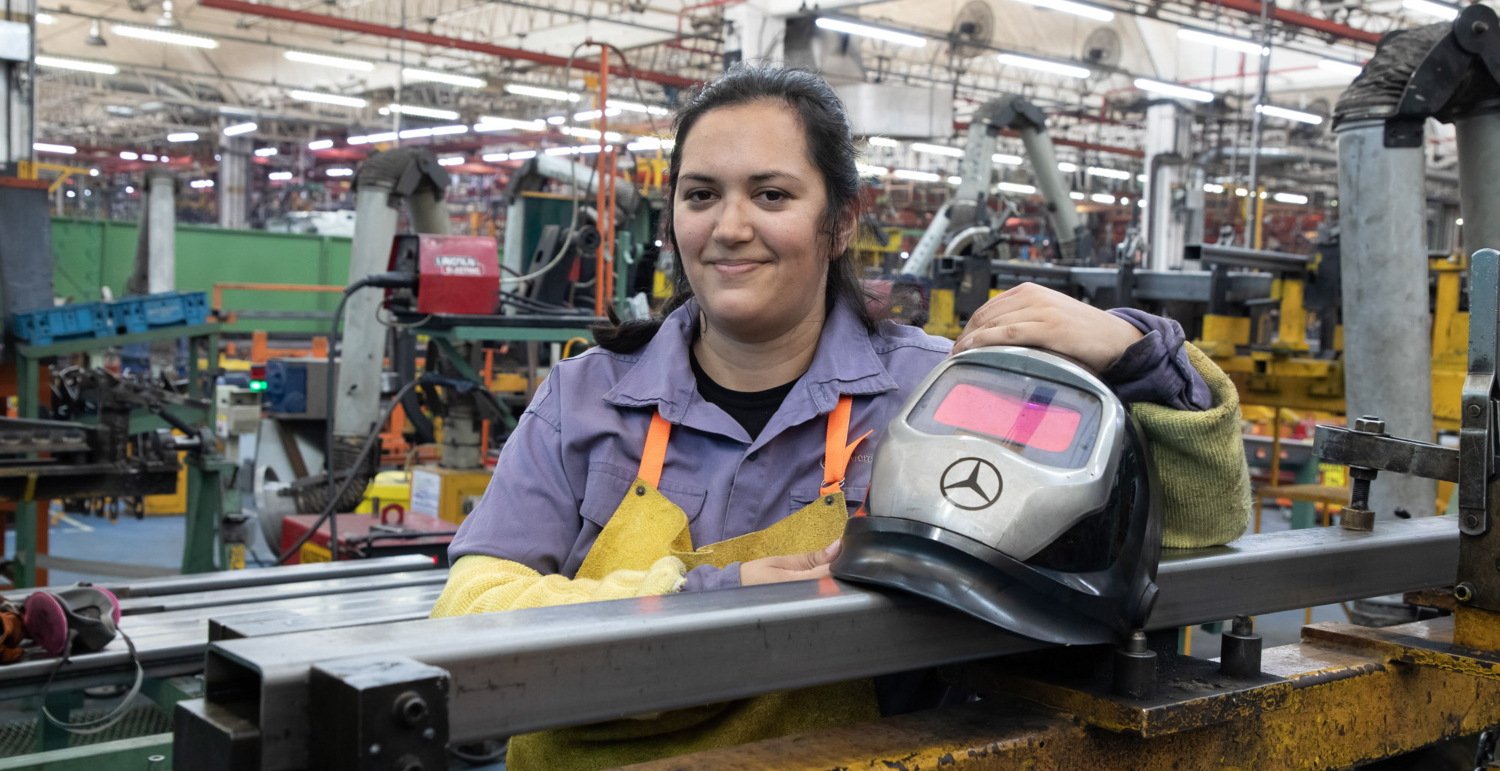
[{"x": 456, "y": 274}]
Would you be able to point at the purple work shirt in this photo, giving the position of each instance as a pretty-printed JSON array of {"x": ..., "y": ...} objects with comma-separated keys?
[{"x": 577, "y": 448}]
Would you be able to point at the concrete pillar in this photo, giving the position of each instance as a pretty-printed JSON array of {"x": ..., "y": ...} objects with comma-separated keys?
[
  {"x": 233, "y": 184},
  {"x": 18, "y": 131},
  {"x": 752, "y": 35},
  {"x": 161, "y": 271},
  {"x": 1387, "y": 329},
  {"x": 1167, "y": 132},
  {"x": 357, "y": 404}
]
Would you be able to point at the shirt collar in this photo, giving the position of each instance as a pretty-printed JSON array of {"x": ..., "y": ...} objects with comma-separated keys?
[{"x": 845, "y": 363}]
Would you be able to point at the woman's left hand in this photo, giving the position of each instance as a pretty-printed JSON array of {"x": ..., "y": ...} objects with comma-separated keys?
[{"x": 1038, "y": 317}]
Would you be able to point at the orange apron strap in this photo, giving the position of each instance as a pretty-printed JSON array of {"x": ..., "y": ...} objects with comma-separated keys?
[
  {"x": 836, "y": 454},
  {"x": 655, "y": 453}
]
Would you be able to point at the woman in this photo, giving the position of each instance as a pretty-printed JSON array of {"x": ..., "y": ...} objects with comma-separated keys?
[{"x": 712, "y": 448}]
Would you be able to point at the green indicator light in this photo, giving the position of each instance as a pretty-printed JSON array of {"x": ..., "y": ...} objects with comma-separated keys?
[{"x": 257, "y": 385}]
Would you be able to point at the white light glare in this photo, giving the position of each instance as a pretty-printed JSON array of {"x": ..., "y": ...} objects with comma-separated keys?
[
  {"x": 373, "y": 139},
  {"x": 431, "y": 76},
  {"x": 1067, "y": 168},
  {"x": 200, "y": 184},
  {"x": 452, "y": 160},
  {"x": 126, "y": 155},
  {"x": 1076, "y": 196},
  {"x": 1105, "y": 198},
  {"x": 129, "y": 189},
  {"x": 279, "y": 176},
  {"x": 923, "y": 147},
  {"x": 494, "y": 157},
  {"x": 322, "y": 98},
  {"x": 1296, "y": 198},
  {"x": 871, "y": 171},
  {"x": 183, "y": 136},
  {"x": 955, "y": 180},
  {"x": 491, "y": 123},
  {"x": 636, "y": 107},
  {"x": 589, "y": 115},
  {"x": 1223, "y": 41},
  {"x": 157, "y": 35},
  {"x": 148, "y": 157},
  {"x": 1459, "y": 222},
  {"x": 1096, "y": 171},
  {"x": 307, "y": 57},
  {"x": 320, "y": 144},
  {"x": 1241, "y": 192},
  {"x": 523, "y": 155},
  {"x": 650, "y": 143},
  {"x": 1209, "y": 187},
  {"x": 340, "y": 172},
  {"x": 575, "y": 150},
  {"x": 541, "y": 93},
  {"x": 265, "y": 152},
  {"x": 865, "y": 30},
  {"x": 1172, "y": 89},
  {"x": 557, "y": 120},
  {"x": 1007, "y": 160},
  {"x": 583, "y": 133},
  {"x": 1077, "y": 9},
  {"x": 917, "y": 176},
  {"x": 45, "y": 18},
  {"x": 882, "y": 142},
  {"x": 1043, "y": 65},
  {"x": 93, "y": 172},
  {"x": 1342, "y": 68},
  {"x": 1013, "y": 187},
  {"x": 1437, "y": 10},
  {"x": 422, "y": 112},
  {"x": 239, "y": 128},
  {"x": 74, "y": 64},
  {"x": 1282, "y": 112}
]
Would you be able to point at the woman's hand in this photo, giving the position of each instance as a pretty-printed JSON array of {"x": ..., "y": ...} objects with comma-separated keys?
[
  {"x": 1038, "y": 317},
  {"x": 792, "y": 567}
]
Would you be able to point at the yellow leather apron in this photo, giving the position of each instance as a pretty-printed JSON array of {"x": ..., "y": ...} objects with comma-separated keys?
[{"x": 647, "y": 527}]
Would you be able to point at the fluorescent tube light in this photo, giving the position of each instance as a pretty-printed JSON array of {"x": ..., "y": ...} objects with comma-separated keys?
[
  {"x": 492, "y": 123},
  {"x": 156, "y": 35},
  {"x": 266, "y": 152},
  {"x": 1096, "y": 171},
  {"x": 1043, "y": 65},
  {"x": 494, "y": 157},
  {"x": 1067, "y": 167},
  {"x": 452, "y": 160},
  {"x": 923, "y": 147},
  {"x": 74, "y": 64},
  {"x": 340, "y": 172},
  {"x": 322, "y": 98},
  {"x": 1076, "y": 196},
  {"x": 520, "y": 89},
  {"x": 523, "y": 155},
  {"x": 649, "y": 109},
  {"x": 200, "y": 184},
  {"x": 48, "y": 147},
  {"x": 307, "y": 57},
  {"x": 239, "y": 128},
  {"x": 871, "y": 171},
  {"x": 126, "y": 155},
  {"x": 1426, "y": 7},
  {"x": 1007, "y": 160},
  {"x": 955, "y": 180},
  {"x": 1015, "y": 187},
  {"x": 45, "y": 18},
  {"x": 422, "y": 112},
  {"x": 1174, "y": 90},
  {"x": 433, "y": 76},
  {"x": 1223, "y": 41},
  {"x": 917, "y": 176},
  {"x": 279, "y": 176},
  {"x": 882, "y": 142},
  {"x": 1102, "y": 198},
  {"x": 1282, "y": 112},
  {"x": 1077, "y": 9},
  {"x": 320, "y": 144},
  {"x": 865, "y": 30},
  {"x": 183, "y": 136},
  {"x": 1289, "y": 198}
]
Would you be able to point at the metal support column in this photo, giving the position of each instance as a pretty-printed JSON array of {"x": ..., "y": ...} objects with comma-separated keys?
[
  {"x": 1479, "y": 185},
  {"x": 1387, "y": 356},
  {"x": 1167, "y": 134},
  {"x": 233, "y": 185}
]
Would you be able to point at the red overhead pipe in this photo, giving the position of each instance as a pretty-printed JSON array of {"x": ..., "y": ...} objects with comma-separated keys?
[
  {"x": 1302, "y": 20},
  {"x": 396, "y": 33},
  {"x": 1098, "y": 148}
]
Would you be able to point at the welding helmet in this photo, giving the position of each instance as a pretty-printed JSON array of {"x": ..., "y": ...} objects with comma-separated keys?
[
  {"x": 84, "y": 618},
  {"x": 1016, "y": 487}
]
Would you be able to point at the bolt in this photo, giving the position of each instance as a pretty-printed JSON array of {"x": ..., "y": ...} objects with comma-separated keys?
[
  {"x": 374, "y": 749},
  {"x": 1471, "y": 520},
  {"x": 1370, "y": 424},
  {"x": 1479, "y": 28},
  {"x": 1474, "y": 410},
  {"x": 428, "y": 734},
  {"x": 1137, "y": 642},
  {"x": 1463, "y": 592},
  {"x": 1243, "y": 626},
  {"x": 410, "y": 708},
  {"x": 1359, "y": 494}
]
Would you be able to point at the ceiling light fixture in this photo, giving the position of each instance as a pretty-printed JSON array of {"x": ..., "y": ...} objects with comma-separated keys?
[
  {"x": 183, "y": 136},
  {"x": 433, "y": 76},
  {"x": 1341, "y": 67},
  {"x": 1067, "y": 167},
  {"x": 1015, "y": 187},
  {"x": 882, "y": 142},
  {"x": 1173, "y": 90},
  {"x": 1288, "y": 114},
  {"x": 494, "y": 157},
  {"x": 871, "y": 171},
  {"x": 320, "y": 144},
  {"x": 373, "y": 139},
  {"x": 923, "y": 147},
  {"x": 1007, "y": 160},
  {"x": 917, "y": 176},
  {"x": 126, "y": 155},
  {"x": 1289, "y": 198},
  {"x": 1077, "y": 9},
  {"x": 1104, "y": 198},
  {"x": 637, "y": 107},
  {"x": 1043, "y": 65},
  {"x": 322, "y": 98},
  {"x": 422, "y": 112},
  {"x": 876, "y": 33},
  {"x": 1096, "y": 171},
  {"x": 340, "y": 172},
  {"x": 1222, "y": 41},
  {"x": 266, "y": 152},
  {"x": 239, "y": 128},
  {"x": 48, "y": 147},
  {"x": 156, "y": 35},
  {"x": 520, "y": 89},
  {"x": 74, "y": 64},
  {"x": 45, "y": 18},
  {"x": 488, "y": 123},
  {"x": 1427, "y": 7},
  {"x": 343, "y": 63},
  {"x": 279, "y": 176},
  {"x": 523, "y": 155},
  {"x": 452, "y": 160}
]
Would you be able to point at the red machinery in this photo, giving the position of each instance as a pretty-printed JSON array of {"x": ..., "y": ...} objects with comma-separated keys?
[{"x": 456, "y": 274}]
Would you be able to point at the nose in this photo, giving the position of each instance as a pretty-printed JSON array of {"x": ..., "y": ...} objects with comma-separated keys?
[{"x": 734, "y": 224}]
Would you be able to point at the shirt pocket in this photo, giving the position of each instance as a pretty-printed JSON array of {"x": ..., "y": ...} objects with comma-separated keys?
[{"x": 608, "y": 485}]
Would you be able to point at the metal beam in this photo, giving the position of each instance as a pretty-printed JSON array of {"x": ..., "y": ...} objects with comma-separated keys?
[{"x": 533, "y": 669}]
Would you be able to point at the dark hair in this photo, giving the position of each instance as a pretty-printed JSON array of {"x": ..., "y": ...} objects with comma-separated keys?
[{"x": 831, "y": 144}]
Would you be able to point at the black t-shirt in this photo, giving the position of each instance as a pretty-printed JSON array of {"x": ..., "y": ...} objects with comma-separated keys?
[{"x": 752, "y": 409}]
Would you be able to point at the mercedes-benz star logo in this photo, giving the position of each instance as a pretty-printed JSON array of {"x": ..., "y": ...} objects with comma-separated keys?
[{"x": 971, "y": 483}]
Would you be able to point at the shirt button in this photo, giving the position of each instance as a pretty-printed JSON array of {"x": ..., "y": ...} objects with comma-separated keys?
[{"x": 753, "y": 456}]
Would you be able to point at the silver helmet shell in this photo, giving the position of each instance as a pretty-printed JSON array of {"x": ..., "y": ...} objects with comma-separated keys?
[{"x": 1015, "y": 486}]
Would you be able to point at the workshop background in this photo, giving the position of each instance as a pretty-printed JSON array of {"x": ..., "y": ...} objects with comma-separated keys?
[{"x": 197, "y": 252}]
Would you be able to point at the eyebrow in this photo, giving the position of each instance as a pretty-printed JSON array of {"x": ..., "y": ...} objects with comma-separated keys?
[{"x": 760, "y": 177}]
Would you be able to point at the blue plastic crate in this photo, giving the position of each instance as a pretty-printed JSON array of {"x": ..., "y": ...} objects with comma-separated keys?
[
  {"x": 166, "y": 309},
  {"x": 65, "y": 322}
]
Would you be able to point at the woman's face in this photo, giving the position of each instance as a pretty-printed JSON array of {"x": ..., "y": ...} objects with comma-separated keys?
[{"x": 747, "y": 213}]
